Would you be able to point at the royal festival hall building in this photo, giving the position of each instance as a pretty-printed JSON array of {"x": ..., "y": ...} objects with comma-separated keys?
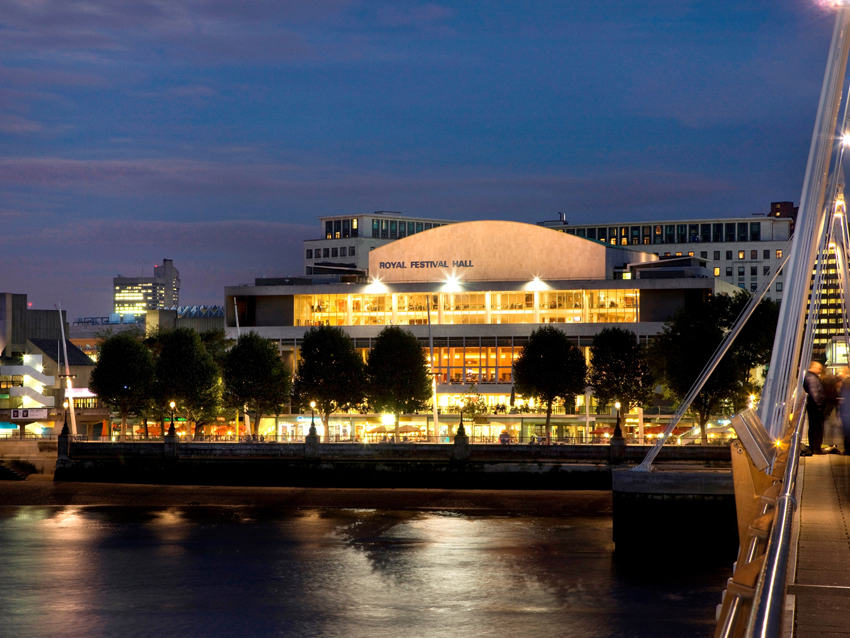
[{"x": 489, "y": 284}]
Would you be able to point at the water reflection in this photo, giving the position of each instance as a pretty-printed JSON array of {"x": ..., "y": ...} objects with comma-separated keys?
[{"x": 219, "y": 571}]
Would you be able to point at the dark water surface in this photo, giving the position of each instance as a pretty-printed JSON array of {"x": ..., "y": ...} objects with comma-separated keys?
[{"x": 241, "y": 571}]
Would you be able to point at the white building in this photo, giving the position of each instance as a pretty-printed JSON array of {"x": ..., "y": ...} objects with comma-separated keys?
[{"x": 742, "y": 251}]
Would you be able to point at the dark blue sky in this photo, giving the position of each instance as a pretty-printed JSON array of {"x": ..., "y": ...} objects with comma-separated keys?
[{"x": 214, "y": 132}]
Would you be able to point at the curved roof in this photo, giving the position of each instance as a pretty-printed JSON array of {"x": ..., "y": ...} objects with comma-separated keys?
[{"x": 497, "y": 251}]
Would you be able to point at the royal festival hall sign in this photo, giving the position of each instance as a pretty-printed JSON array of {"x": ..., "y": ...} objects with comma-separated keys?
[{"x": 393, "y": 265}]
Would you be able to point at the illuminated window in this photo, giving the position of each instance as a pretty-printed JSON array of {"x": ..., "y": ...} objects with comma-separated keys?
[
  {"x": 717, "y": 272},
  {"x": 741, "y": 254},
  {"x": 779, "y": 254}
]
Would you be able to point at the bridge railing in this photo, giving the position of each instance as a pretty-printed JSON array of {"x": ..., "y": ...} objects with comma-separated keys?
[
  {"x": 754, "y": 601},
  {"x": 769, "y": 600}
]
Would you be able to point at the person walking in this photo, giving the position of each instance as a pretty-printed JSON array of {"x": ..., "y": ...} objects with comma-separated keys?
[
  {"x": 815, "y": 406},
  {"x": 844, "y": 407}
]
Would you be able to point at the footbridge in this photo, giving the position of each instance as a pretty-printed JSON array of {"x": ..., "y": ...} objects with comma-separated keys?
[{"x": 792, "y": 574}]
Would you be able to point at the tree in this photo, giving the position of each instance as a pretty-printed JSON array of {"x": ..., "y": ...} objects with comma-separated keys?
[
  {"x": 619, "y": 370},
  {"x": 397, "y": 374},
  {"x": 687, "y": 343},
  {"x": 330, "y": 372},
  {"x": 255, "y": 376},
  {"x": 124, "y": 375},
  {"x": 187, "y": 374},
  {"x": 548, "y": 367},
  {"x": 754, "y": 344},
  {"x": 472, "y": 406}
]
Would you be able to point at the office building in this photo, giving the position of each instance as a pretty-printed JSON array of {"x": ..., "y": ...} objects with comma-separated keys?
[
  {"x": 348, "y": 239},
  {"x": 741, "y": 251},
  {"x": 136, "y": 295}
]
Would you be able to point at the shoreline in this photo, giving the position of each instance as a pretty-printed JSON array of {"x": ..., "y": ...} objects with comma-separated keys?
[{"x": 40, "y": 490}]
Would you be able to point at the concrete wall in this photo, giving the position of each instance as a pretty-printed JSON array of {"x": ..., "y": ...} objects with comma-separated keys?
[
  {"x": 274, "y": 311},
  {"x": 42, "y": 454},
  {"x": 363, "y": 465}
]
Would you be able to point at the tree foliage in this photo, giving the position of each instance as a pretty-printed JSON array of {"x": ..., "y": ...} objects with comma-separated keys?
[
  {"x": 619, "y": 370},
  {"x": 549, "y": 367},
  {"x": 124, "y": 375},
  {"x": 188, "y": 375},
  {"x": 397, "y": 374},
  {"x": 330, "y": 372},
  {"x": 255, "y": 376},
  {"x": 690, "y": 338}
]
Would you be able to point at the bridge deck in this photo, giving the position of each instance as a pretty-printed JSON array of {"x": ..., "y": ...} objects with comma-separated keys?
[{"x": 822, "y": 582}]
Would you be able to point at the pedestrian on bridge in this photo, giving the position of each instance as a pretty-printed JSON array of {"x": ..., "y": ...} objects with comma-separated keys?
[
  {"x": 844, "y": 407},
  {"x": 815, "y": 406}
]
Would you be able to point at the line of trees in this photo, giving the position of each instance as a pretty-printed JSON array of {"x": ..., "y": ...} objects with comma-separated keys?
[
  {"x": 550, "y": 368},
  {"x": 204, "y": 374}
]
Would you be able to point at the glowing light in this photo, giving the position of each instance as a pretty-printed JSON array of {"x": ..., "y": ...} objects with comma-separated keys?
[
  {"x": 172, "y": 405},
  {"x": 313, "y": 405},
  {"x": 387, "y": 419},
  {"x": 617, "y": 405},
  {"x": 452, "y": 284},
  {"x": 845, "y": 139}
]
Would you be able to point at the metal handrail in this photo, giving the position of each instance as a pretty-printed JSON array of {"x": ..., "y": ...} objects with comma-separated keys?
[{"x": 769, "y": 599}]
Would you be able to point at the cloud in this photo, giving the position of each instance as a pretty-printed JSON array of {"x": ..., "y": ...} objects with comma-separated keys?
[
  {"x": 296, "y": 188},
  {"x": 18, "y": 125},
  {"x": 206, "y": 27}
]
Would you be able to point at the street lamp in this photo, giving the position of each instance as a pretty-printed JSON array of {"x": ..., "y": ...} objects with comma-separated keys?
[
  {"x": 65, "y": 430},
  {"x": 171, "y": 430},
  {"x": 618, "y": 433},
  {"x": 312, "y": 418}
]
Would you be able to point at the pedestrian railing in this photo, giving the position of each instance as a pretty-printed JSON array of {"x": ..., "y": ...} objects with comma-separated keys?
[
  {"x": 754, "y": 600},
  {"x": 381, "y": 439}
]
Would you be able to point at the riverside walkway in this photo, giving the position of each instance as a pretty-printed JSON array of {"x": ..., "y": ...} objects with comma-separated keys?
[{"x": 821, "y": 584}]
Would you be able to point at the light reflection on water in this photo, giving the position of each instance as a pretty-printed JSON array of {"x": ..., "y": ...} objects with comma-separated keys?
[{"x": 218, "y": 571}]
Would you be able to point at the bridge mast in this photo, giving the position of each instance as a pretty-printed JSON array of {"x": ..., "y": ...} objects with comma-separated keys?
[{"x": 789, "y": 362}]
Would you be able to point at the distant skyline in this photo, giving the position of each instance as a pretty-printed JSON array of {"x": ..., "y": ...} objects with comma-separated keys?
[{"x": 214, "y": 133}]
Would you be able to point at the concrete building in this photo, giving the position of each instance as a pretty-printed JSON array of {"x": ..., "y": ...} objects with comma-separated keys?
[
  {"x": 135, "y": 295},
  {"x": 348, "y": 239},
  {"x": 489, "y": 284},
  {"x": 741, "y": 251},
  {"x": 19, "y": 323}
]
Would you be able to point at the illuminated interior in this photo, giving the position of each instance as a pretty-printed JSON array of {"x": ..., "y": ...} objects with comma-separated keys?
[{"x": 450, "y": 308}]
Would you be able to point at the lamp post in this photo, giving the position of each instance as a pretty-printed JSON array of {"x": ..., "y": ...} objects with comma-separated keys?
[
  {"x": 618, "y": 433},
  {"x": 171, "y": 430},
  {"x": 65, "y": 430},
  {"x": 312, "y": 418}
]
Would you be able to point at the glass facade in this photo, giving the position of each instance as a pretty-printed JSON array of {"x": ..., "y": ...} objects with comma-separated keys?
[{"x": 455, "y": 308}]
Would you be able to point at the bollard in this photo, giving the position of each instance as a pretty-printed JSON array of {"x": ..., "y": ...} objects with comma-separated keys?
[
  {"x": 460, "y": 450},
  {"x": 311, "y": 446}
]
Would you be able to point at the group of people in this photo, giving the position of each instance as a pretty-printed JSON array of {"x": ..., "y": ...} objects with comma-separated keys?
[{"x": 828, "y": 409}]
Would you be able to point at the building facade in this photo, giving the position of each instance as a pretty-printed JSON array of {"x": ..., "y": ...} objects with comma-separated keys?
[
  {"x": 741, "y": 251},
  {"x": 136, "y": 295},
  {"x": 346, "y": 240},
  {"x": 479, "y": 289}
]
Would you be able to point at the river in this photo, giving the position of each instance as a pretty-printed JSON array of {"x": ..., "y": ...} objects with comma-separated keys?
[{"x": 258, "y": 571}]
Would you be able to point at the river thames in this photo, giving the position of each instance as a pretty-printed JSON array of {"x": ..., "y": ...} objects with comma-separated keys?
[{"x": 261, "y": 571}]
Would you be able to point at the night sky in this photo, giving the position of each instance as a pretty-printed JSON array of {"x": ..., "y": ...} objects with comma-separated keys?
[{"x": 214, "y": 132}]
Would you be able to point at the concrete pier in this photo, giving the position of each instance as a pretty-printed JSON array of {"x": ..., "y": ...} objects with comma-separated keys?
[{"x": 682, "y": 506}]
